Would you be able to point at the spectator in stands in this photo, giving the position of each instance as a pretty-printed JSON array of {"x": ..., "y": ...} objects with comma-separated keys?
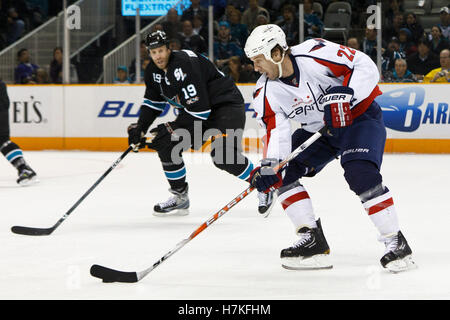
[
  {"x": 400, "y": 73},
  {"x": 250, "y": 15},
  {"x": 238, "y": 30},
  {"x": 42, "y": 76},
  {"x": 157, "y": 26},
  {"x": 406, "y": 44},
  {"x": 369, "y": 43},
  {"x": 174, "y": 44},
  {"x": 143, "y": 55},
  {"x": 391, "y": 54},
  {"x": 414, "y": 26},
  {"x": 191, "y": 41},
  {"x": 195, "y": 10},
  {"x": 25, "y": 72},
  {"x": 445, "y": 23},
  {"x": 262, "y": 18},
  {"x": 3, "y": 25},
  {"x": 275, "y": 7},
  {"x": 314, "y": 24},
  {"x": 424, "y": 60},
  {"x": 353, "y": 43},
  {"x": 225, "y": 46},
  {"x": 200, "y": 28},
  {"x": 438, "y": 42},
  {"x": 122, "y": 75},
  {"x": 56, "y": 68},
  {"x": 15, "y": 26},
  {"x": 441, "y": 74},
  {"x": 145, "y": 63},
  {"x": 218, "y": 7},
  {"x": 227, "y": 14},
  {"x": 236, "y": 71},
  {"x": 172, "y": 26},
  {"x": 397, "y": 23},
  {"x": 240, "y": 5},
  {"x": 289, "y": 24}
]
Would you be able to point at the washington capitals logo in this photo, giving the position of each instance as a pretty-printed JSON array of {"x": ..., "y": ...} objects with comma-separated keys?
[{"x": 320, "y": 44}]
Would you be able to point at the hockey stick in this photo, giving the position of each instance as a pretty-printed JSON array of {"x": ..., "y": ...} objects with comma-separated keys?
[
  {"x": 30, "y": 231},
  {"x": 111, "y": 275}
]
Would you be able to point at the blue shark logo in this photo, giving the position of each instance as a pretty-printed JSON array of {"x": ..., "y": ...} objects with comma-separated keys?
[{"x": 401, "y": 108}]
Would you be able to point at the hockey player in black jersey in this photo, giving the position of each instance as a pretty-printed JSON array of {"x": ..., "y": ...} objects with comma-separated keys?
[
  {"x": 210, "y": 106},
  {"x": 9, "y": 149}
]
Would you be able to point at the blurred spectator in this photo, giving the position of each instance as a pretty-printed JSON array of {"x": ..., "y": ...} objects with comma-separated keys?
[
  {"x": 289, "y": 25},
  {"x": 262, "y": 18},
  {"x": 236, "y": 71},
  {"x": 406, "y": 44},
  {"x": 25, "y": 72},
  {"x": 172, "y": 26},
  {"x": 145, "y": 63},
  {"x": 122, "y": 75},
  {"x": 250, "y": 15},
  {"x": 218, "y": 7},
  {"x": 274, "y": 7},
  {"x": 353, "y": 43},
  {"x": 424, "y": 60},
  {"x": 441, "y": 74},
  {"x": 445, "y": 23},
  {"x": 15, "y": 26},
  {"x": 174, "y": 44},
  {"x": 400, "y": 73},
  {"x": 225, "y": 46},
  {"x": 157, "y": 26},
  {"x": 200, "y": 28},
  {"x": 191, "y": 41},
  {"x": 56, "y": 68},
  {"x": 394, "y": 8},
  {"x": 195, "y": 10},
  {"x": 227, "y": 14},
  {"x": 240, "y": 5},
  {"x": 369, "y": 43},
  {"x": 438, "y": 42},
  {"x": 143, "y": 55},
  {"x": 414, "y": 26},
  {"x": 238, "y": 30},
  {"x": 42, "y": 76},
  {"x": 391, "y": 54},
  {"x": 397, "y": 23},
  {"x": 314, "y": 24}
]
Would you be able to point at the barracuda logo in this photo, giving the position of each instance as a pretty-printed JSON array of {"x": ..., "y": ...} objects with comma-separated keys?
[{"x": 401, "y": 108}]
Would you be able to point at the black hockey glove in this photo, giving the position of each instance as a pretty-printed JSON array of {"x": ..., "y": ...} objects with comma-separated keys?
[
  {"x": 136, "y": 137},
  {"x": 163, "y": 135},
  {"x": 264, "y": 178}
]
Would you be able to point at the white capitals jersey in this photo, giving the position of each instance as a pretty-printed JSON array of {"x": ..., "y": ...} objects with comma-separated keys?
[{"x": 318, "y": 65}]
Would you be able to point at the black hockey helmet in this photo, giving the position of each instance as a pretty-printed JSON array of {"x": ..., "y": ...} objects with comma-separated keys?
[{"x": 156, "y": 39}]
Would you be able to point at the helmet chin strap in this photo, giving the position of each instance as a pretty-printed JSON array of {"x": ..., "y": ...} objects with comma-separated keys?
[{"x": 280, "y": 70}]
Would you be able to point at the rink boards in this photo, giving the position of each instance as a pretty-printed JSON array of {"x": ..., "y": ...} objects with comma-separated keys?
[{"x": 95, "y": 117}]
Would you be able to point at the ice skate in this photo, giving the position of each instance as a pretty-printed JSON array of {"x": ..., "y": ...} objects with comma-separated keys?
[
  {"x": 398, "y": 255},
  {"x": 27, "y": 176},
  {"x": 177, "y": 205},
  {"x": 266, "y": 202},
  {"x": 311, "y": 251}
]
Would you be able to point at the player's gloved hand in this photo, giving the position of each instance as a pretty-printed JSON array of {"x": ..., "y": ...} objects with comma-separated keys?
[
  {"x": 163, "y": 134},
  {"x": 337, "y": 102},
  {"x": 264, "y": 178},
  {"x": 136, "y": 137}
]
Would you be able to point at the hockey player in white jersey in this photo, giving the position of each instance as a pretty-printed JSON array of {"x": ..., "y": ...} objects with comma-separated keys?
[{"x": 314, "y": 83}]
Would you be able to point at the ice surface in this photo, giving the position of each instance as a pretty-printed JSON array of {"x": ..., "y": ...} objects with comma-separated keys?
[{"x": 235, "y": 258}]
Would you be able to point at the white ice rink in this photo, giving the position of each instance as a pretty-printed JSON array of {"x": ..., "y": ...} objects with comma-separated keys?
[{"x": 235, "y": 258}]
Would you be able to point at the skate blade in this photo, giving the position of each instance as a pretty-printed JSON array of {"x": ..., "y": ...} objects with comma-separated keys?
[
  {"x": 401, "y": 265},
  {"x": 177, "y": 212},
  {"x": 28, "y": 182},
  {"x": 319, "y": 261}
]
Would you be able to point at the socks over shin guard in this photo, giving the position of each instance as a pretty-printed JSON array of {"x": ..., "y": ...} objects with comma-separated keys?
[{"x": 13, "y": 154}]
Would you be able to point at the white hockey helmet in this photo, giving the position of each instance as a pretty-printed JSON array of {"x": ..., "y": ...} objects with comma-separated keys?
[{"x": 263, "y": 39}]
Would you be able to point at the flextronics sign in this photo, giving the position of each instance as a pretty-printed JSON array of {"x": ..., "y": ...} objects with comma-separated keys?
[
  {"x": 416, "y": 111},
  {"x": 153, "y": 7}
]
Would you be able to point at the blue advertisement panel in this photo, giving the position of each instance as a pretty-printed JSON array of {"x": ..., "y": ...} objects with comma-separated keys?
[{"x": 153, "y": 7}]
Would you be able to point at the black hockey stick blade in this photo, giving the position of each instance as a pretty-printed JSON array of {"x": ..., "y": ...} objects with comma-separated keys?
[
  {"x": 111, "y": 275},
  {"x": 32, "y": 231}
]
